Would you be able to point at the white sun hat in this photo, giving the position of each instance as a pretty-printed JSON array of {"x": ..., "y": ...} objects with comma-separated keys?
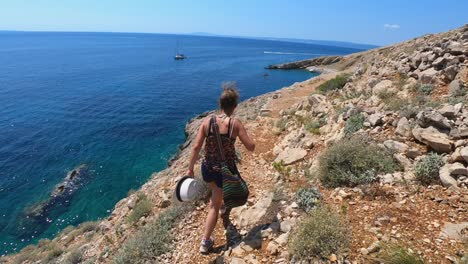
[{"x": 187, "y": 189}]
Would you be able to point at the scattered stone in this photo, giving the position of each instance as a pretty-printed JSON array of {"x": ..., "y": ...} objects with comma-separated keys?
[
  {"x": 282, "y": 239},
  {"x": 272, "y": 248},
  {"x": 403, "y": 128},
  {"x": 464, "y": 153},
  {"x": 413, "y": 153},
  {"x": 375, "y": 119},
  {"x": 433, "y": 138},
  {"x": 396, "y": 146},
  {"x": 291, "y": 155},
  {"x": 245, "y": 217},
  {"x": 383, "y": 86},
  {"x": 448, "y": 111},
  {"x": 454, "y": 231},
  {"x": 286, "y": 225},
  {"x": 433, "y": 118},
  {"x": 445, "y": 177},
  {"x": 428, "y": 75}
]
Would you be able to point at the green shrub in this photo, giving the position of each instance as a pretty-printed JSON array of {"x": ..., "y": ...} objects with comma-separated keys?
[
  {"x": 425, "y": 89},
  {"x": 426, "y": 170},
  {"x": 313, "y": 125},
  {"x": 354, "y": 123},
  {"x": 74, "y": 257},
  {"x": 308, "y": 199},
  {"x": 53, "y": 252},
  {"x": 464, "y": 259},
  {"x": 395, "y": 103},
  {"x": 152, "y": 241},
  {"x": 394, "y": 254},
  {"x": 281, "y": 124},
  {"x": 353, "y": 161},
  {"x": 320, "y": 234},
  {"x": 282, "y": 169},
  {"x": 386, "y": 94},
  {"x": 142, "y": 208},
  {"x": 88, "y": 226},
  {"x": 336, "y": 83}
]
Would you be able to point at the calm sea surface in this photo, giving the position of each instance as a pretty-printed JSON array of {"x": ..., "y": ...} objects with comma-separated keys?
[{"x": 115, "y": 102}]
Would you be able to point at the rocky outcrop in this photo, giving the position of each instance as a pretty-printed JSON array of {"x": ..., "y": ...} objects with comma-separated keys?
[
  {"x": 37, "y": 215},
  {"x": 304, "y": 64}
]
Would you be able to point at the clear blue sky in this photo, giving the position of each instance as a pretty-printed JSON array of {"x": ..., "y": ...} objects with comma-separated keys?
[{"x": 374, "y": 22}]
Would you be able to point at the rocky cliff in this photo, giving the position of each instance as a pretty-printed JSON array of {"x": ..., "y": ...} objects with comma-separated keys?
[{"x": 366, "y": 163}]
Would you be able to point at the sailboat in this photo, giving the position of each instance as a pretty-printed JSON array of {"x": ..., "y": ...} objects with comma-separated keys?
[{"x": 179, "y": 56}]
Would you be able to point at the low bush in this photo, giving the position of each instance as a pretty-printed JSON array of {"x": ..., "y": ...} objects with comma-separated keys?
[
  {"x": 354, "y": 124},
  {"x": 321, "y": 233},
  {"x": 426, "y": 170},
  {"x": 152, "y": 241},
  {"x": 353, "y": 161},
  {"x": 308, "y": 199},
  {"x": 394, "y": 254},
  {"x": 281, "y": 124},
  {"x": 386, "y": 94},
  {"x": 313, "y": 125},
  {"x": 281, "y": 168},
  {"x": 425, "y": 89},
  {"x": 395, "y": 103},
  {"x": 74, "y": 257},
  {"x": 336, "y": 83},
  {"x": 142, "y": 208}
]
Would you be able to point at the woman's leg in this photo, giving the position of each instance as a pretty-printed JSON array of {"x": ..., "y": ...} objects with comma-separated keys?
[{"x": 213, "y": 209}]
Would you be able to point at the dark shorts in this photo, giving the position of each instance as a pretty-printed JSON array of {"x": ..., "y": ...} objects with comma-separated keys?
[{"x": 210, "y": 175}]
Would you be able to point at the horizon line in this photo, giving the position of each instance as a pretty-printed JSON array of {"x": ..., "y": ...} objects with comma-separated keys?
[{"x": 201, "y": 34}]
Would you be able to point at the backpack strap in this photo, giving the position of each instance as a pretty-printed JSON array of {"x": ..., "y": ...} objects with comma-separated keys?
[
  {"x": 209, "y": 129},
  {"x": 218, "y": 139},
  {"x": 231, "y": 126}
]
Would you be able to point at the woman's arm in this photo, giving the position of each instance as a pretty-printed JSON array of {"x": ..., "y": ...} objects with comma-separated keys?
[
  {"x": 197, "y": 147},
  {"x": 244, "y": 137}
]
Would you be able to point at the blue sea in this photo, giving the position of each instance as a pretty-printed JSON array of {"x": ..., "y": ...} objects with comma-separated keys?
[{"x": 116, "y": 102}]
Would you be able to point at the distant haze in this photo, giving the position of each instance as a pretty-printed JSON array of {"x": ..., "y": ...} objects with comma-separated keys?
[{"x": 373, "y": 22}]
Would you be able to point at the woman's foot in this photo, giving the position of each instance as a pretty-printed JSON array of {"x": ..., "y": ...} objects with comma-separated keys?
[{"x": 206, "y": 245}]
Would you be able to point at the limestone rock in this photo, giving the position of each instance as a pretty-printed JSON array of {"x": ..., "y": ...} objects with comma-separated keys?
[
  {"x": 454, "y": 231},
  {"x": 375, "y": 119},
  {"x": 456, "y": 88},
  {"x": 433, "y": 138},
  {"x": 383, "y": 86},
  {"x": 433, "y": 118},
  {"x": 445, "y": 177},
  {"x": 272, "y": 248},
  {"x": 287, "y": 225},
  {"x": 448, "y": 111},
  {"x": 282, "y": 239},
  {"x": 464, "y": 153},
  {"x": 428, "y": 75},
  {"x": 403, "y": 127},
  {"x": 245, "y": 217},
  {"x": 316, "y": 99},
  {"x": 457, "y": 169},
  {"x": 413, "y": 153},
  {"x": 291, "y": 155},
  {"x": 455, "y": 48},
  {"x": 456, "y": 155},
  {"x": 396, "y": 146}
]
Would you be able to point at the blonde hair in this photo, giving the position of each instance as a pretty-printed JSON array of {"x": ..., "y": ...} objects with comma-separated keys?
[{"x": 230, "y": 96}]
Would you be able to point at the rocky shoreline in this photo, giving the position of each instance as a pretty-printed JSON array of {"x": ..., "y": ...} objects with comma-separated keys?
[{"x": 405, "y": 104}]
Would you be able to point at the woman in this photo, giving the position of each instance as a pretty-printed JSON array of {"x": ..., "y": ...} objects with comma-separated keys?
[{"x": 229, "y": 130}]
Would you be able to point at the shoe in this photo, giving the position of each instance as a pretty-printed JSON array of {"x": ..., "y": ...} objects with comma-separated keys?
[{"x": 206, "y": 245}]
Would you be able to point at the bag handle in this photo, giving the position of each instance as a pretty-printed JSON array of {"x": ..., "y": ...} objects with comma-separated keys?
[{"x": 218, "y": 138}]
